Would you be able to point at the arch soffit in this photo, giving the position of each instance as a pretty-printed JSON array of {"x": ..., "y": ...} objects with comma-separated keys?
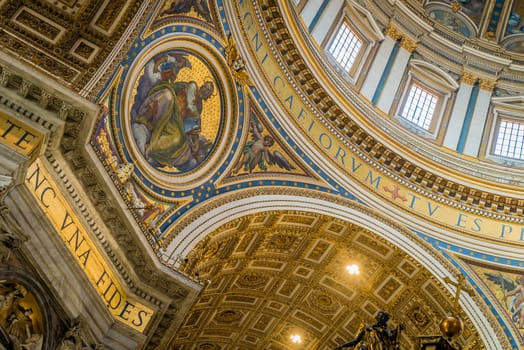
[{"x": 199, "y": 229}]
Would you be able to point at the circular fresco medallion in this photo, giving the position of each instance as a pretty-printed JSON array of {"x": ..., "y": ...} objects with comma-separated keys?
[{"x": 175, "y": 113}]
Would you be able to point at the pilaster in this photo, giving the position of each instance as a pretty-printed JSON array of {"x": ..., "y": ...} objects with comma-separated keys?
[
  {"x": 478, "y": 120},
  {"x": 459, "y": 112}
]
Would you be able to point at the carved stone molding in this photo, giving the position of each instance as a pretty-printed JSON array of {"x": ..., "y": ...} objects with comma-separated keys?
[
  {"x": 68, "y": 121},
  {"x": 75, "y": 338},
  {"x": 69, "y": 40},
  {"x": 11, "y": 236},
  {"x": 70, "y": 144}
]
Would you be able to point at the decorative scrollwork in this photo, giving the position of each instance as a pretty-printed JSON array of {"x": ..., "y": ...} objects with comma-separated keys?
[{"x": 236, "y": 63}]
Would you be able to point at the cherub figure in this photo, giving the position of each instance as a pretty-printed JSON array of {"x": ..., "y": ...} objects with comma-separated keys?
[
  {"x": 257, "y": 152},
  {"x": 10, "y": 296},
  {"x": 72, "y": 339}
]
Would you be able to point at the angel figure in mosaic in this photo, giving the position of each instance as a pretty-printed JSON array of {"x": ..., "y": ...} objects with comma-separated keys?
[
  {"x": 512, "y": 291},
  {"x": 185, "y": 6},
  {"x": 257, "y": 151}
]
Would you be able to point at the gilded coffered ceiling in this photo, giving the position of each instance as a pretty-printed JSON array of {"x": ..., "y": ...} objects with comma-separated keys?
[
  {"x": 69, "y": 39},
  {"x": 271, "y": 275},
  {"x": 186, "y": 197}
]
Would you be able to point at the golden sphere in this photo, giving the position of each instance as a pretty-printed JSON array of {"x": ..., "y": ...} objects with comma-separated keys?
[{"x": 451, "y": 326}]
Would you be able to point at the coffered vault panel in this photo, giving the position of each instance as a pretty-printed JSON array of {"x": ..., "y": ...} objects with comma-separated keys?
[
  {"x": 274, "y": 274},
  {"x": 70, "y": 39}
]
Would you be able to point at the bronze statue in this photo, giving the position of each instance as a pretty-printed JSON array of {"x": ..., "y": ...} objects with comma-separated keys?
[{"x": 375, "y": 337}]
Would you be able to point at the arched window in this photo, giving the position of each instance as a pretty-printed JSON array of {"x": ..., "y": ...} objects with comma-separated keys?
[
  {"x": 351, "y": 41},
  {"x": 506, "y": 131}
]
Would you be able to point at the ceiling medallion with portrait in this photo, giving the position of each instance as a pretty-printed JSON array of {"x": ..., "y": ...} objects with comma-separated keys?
[{"x": 175, "y": 111}]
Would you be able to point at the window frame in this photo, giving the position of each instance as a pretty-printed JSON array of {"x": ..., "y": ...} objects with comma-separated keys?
[
  {"x": 496, "y": 133},
  {"x": 504, "y": 108},
  {"x": 362, "y": 24},
  {"x": 436, "y": 82},
  {"x": 436, "y": 109},
  {"x": 358, "y": 57}
]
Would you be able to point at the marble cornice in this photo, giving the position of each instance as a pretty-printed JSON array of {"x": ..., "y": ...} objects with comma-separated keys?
[
  {"x": 446, "y": 57},
  {"x": 68, "y": 121},
  {"x": 424, "y": 178}
]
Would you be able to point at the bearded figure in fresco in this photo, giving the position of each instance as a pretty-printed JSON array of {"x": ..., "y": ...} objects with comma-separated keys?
[{"x": 166, "y": 117}]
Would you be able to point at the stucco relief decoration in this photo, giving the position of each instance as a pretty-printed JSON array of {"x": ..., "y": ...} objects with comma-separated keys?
[
  {"x": 20, "y": 318},
  {"x": 143, "y": 207},
  {"x": 175, "y": 112}
]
